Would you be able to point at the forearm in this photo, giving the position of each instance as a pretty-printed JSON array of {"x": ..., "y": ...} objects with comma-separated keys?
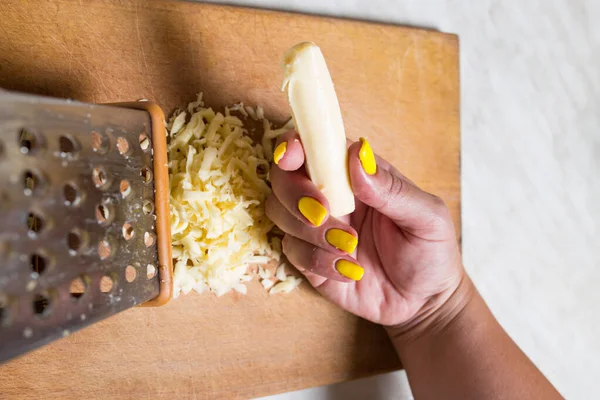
[{"x": 461, "y": 352}]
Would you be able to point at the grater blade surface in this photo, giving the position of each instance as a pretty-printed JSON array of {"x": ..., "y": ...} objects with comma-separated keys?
[{"x": 78, "y": 238}]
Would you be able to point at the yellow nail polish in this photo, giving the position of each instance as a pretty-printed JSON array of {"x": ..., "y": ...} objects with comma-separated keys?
[
  {"x": 367, "y": 158},
  {"x": 350, "y": 270},
  {"x": 279, "y": 152},
  {"x": 312, "y": 210},
  {"x": 341, "y": 240}
]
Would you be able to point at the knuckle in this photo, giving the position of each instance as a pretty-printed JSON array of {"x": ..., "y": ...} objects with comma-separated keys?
[
  {"x": 315, "y": 261},
  {"x": 395, "y": 191},
  {"x": 365, "y": 193},
  {"x": 439, "y": 206},
  {"x": 384, "y": 194},
  {"x": 438, "y": 202},
  {"x": 440, "y": 214}
]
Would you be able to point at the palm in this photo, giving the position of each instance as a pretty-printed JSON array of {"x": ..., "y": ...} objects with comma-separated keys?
[
  {"x": 401, "y": 270},
  {"x": 405, "y": 264}
]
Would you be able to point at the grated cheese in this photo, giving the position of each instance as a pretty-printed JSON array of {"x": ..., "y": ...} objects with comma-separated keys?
[
  {"x": 280, "y": 273},
  {"x": 218, "y": 187},
  {"x": 286, "y": 286},
  {"x": 264, "y": 273},
  {"x": 267, "y": 283}
]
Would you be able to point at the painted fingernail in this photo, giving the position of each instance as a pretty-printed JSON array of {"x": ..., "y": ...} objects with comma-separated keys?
[
  {"x": 367, "y": 158},
  {"x": 279, "y": 152},
  {"x": 350, "y": 270},
  {"x": 341, "y": 240},
  {"x": 312, "y": 210}
]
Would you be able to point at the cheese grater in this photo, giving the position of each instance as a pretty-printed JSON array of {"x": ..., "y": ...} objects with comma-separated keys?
[{"x": 84, "y": 215}]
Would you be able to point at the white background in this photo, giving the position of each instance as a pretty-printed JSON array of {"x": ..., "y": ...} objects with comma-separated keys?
[{"x": 530, "y": 82}]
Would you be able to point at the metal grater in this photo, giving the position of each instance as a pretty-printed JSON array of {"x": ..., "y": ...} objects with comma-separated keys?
[{"x": 84, "y": 213}]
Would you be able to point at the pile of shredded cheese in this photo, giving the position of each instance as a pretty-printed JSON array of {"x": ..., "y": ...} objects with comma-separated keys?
[{"x": 218, "y": 186}]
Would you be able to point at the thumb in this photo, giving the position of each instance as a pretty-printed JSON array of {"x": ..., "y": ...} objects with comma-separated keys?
[{"x": 378, "y": 185}]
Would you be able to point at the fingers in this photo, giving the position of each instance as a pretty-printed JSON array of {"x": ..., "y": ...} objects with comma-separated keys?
[
  {"x": 299, "y": 195},
  {"x": 288, "y": 153},
  {"x": 315, "y": 260},
  {"x": 315, "y": 243},
  {"x": 333, "y": 236},
  {"x": 394, "y": 195}
]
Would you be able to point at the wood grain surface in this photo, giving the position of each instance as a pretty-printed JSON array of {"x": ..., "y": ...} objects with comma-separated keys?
[{"x": 398, "y": 86}]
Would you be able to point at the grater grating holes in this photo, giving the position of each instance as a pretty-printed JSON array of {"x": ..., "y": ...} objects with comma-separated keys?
[
  {"x": 71, "y": 194},
  {"x": 31, "y": 183},
  {"x": 68, "y": 147},
  {"x": 124, "y": 188},
  {"x": 144, "y": 142},
  {"x": 63, "y": 166},
  {"x": 105, "y": 249},
  {"x": 130, "y": 273},
  {"x": 104, "y": 214},
  {"x": 42, "y": 303},
  {"x": 107, "y": 284},
  {"x": 128, "y": 232},
  {"x": 147, "y": 207},
  {"x": 123, "y": 146},
  {"x": 146, "y": 174},
  {"x": 100, "y": 178},
  {"x": 35, "y": 224},
  {"x": 149, "y": 239},
  {"x": 38, "y": 263},
  {"x": 150, "y": 271},
  {"x": 27, "y": 141},
  {"x": 78, "y": 287},
  {"x": 76, "y": 241},
  {"x": 100, "y": 142}
]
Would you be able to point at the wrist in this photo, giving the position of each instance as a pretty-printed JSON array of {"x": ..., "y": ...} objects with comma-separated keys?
[{"x": 436, "y": 316}]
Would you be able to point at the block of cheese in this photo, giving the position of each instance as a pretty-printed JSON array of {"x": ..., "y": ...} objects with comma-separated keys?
[{"x": 318, "y": 119}]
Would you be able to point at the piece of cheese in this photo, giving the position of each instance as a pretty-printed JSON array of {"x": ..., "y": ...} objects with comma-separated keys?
[
  {"x": 280, "y": 273},
  {"x": 267, "y": 283},
  {"x": 286, "y": 286},
  {"x": 318, "y": 119}
]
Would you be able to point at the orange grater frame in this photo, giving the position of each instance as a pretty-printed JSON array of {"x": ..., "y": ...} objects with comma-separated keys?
[{"x": 161, "y": 200}]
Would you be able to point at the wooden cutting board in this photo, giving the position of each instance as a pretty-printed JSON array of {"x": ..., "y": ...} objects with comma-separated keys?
[{"x": 396, "y": 85}]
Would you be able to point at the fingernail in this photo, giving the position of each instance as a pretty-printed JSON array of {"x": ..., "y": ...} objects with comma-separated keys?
[
  {"x": 341, "y": 240},
  {"x": 367, "y": 158},
  {"x": 312, "y": 210},
  {"x": 279, "y": 152},
  {"x": 350, "y": 270}
]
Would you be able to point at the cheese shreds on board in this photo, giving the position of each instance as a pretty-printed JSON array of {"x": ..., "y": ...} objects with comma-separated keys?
[
  {"x": 218, "y": 187},
  {"x": 280, "y": 273},
  {"x": 286, "y": 286},
  {"x": 263, "y": 273},
  {"x": 267, "y": 283}
]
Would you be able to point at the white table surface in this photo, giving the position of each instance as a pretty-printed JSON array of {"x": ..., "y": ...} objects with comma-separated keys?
[{"x": 530, "y": 81}]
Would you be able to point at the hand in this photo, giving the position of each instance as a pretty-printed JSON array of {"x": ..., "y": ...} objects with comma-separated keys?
[{"x": 407, "y": 247}]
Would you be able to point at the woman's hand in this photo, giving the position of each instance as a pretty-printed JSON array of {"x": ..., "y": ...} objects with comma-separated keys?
[
  {"x": 407, "y": 262},
  {"x": 405, "y": 273}
]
